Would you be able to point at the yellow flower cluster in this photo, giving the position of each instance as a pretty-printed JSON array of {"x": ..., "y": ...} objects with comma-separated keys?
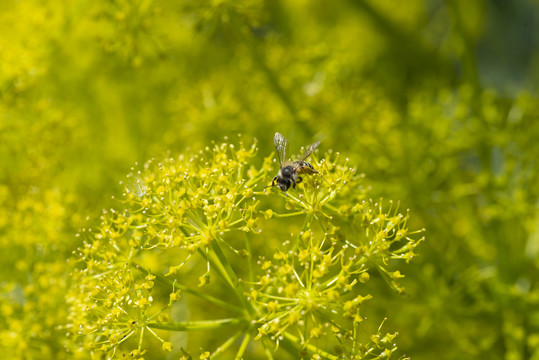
[
  {"x": 171, "y": 210},
  {"x": 205, "y": 227},
  {"x": 314, "y": 284}
]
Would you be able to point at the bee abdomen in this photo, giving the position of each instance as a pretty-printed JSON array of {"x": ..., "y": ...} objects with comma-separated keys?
[{"x": 306, "y": 168}]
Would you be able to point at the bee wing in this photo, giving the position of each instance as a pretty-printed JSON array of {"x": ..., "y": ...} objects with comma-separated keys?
[
  {"x": 281, "y": 145},
  {"x": 309, "y": 151}
]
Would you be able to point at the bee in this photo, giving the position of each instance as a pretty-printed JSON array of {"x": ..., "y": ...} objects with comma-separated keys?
[{"x": 290, "y": 170}]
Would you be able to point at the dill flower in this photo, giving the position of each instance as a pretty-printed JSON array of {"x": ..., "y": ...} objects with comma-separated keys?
[
  {"x": 171, "y": 210},
  {"x": 199, "y": 234},
  {"x": 313, "y": 284}
]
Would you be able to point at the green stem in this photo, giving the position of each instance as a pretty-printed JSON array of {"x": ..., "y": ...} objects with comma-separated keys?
[
  {"x": 195, "y": 292},
  {"x": 243, "y": 345},
  {"x": 250, "y": 258},
  {"x": 295, "y": 341},
  {"x": 210, "y": 298},
  {"x": 194, "y": 325},
  {"x": 229, "y": 274},
  {"x": 306, "y": 225},
  {"x": 231, "y": 340},
  {"x": 193, "y": 216},
  {"x": 267, "y": 350},
  {"x": 297, "y": 213},
  {"x": 355, "y": 335},
  {"x": 256, "y": 179},
  {"x": 216, "y": 264},
  {"x": 331, "y": 207}
]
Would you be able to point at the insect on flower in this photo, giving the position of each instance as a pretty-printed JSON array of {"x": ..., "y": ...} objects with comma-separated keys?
[{"x": 290, "y": 170}]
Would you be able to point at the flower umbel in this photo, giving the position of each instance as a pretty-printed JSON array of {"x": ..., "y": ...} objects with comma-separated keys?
[
  {"x": 200, "y": 227},
  {"x": 313, "y": 286}
]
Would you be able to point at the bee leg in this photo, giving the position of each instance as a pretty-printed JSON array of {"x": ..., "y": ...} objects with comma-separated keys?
[
  {"x": 272, "y": 183},
  {"x": 293, "y": 184},
  {"x": 300, "y": 179}
]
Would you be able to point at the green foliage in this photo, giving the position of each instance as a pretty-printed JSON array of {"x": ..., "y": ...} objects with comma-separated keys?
[{"x": 434, "y": 103}]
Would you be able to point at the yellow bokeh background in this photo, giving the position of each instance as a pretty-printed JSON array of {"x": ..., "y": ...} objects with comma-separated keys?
[{"x": 435, "y": 102}]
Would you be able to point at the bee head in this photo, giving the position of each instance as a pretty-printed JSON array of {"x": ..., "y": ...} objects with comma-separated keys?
[{"x": 284, "y": 186}]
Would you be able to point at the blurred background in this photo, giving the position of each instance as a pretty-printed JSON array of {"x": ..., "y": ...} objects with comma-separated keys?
[{"x": 434, "y": 101}]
